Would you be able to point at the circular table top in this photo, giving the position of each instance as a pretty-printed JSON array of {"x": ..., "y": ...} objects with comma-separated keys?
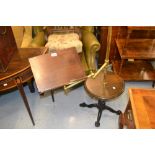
[
  {"x": 19, "y": 61},
  {"x": 106, "y": 85}
]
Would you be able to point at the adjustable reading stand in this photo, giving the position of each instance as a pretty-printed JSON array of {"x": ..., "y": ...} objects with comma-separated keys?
[{"x": 104, "y": 85}]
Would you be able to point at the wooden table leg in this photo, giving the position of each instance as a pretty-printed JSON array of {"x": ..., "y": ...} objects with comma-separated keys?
[
  {"x": 31, "y": 86},
  {"x": 22, "y": 93}
]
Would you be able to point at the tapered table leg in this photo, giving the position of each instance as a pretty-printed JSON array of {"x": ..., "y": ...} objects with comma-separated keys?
[
  {"x": 22, "y": 93},
  {"x": 31, "y": 86}
]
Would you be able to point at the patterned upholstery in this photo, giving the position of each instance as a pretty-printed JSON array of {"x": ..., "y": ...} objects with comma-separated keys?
[{"x": 63, "y": 41}]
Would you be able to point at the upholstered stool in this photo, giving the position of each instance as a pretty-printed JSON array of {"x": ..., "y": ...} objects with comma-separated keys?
[{"x": 64, "y": 41}]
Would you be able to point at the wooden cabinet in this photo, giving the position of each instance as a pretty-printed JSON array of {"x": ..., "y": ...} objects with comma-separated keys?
[
  {"x": 117, "y": 32},
  {"x": 140, "y": 111},
  {"x": 136, "y": 54}
]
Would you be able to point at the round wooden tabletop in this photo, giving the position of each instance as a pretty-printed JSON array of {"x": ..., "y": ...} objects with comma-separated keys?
[{"x": 107, "y": 85}]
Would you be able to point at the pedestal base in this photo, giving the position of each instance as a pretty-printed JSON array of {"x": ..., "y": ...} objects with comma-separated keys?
[{"x": 101, "y": 105}]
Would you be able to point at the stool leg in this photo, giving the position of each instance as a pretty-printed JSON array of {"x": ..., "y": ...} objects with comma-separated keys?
[
  {"x": 97, "y": 123},
  {"x": 118, "y": 112},
  {"x": 88, "y": 105}
]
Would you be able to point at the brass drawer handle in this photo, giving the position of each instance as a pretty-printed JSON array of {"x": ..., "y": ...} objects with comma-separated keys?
[{"x": 129, "y": 115}]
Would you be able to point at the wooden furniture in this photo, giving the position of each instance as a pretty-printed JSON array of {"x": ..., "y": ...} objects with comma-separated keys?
[
  {"x": 140, "y": 111},
  {"x": 62, "y": 30},
  {"x": 7, "y": 47},
  {"x": 117, "y": 32},
  {"x": 19, "y": 72},
  {"x": 56, "y": 69},
  {"x": 104, "y": 87},
  {"x": 135, "y": 54}
]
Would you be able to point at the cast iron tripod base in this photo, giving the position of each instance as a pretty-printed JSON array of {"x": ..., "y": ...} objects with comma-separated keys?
[{"x": 101, "y": 105}]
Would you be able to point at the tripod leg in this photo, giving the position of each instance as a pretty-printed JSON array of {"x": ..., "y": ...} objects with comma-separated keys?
[
  {"x": 118, "y": 112},
  {"x": 97, "y": 123},
  {"x": 88, "y": 105}
]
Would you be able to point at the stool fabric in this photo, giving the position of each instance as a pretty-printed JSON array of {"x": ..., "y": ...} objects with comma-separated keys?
[{"x": 64, "y": 41}]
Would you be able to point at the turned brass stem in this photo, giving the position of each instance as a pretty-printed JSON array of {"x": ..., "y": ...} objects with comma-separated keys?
[{"x": 106, "y": 62}]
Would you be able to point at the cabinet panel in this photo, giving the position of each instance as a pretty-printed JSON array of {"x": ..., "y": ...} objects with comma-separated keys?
[
  {"x": 117, "y": 32},
  {"x": 136, "y": 52}
]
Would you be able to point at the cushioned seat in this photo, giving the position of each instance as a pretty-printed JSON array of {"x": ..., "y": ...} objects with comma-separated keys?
[{"x": 63, "y": 41}]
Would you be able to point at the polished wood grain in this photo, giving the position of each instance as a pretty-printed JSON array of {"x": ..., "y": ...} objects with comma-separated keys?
[
  {"x": 136, "y": 48},
  {"x": 117, "y": 32},
  {"x": 139, "y": 28},
  {"x": 105, "y": 86},
  {"x": 19, "y": 67},
  {"x": 136, "y": 53},
  {"x": 142, "y": 107},
  {"x": 54, "y": 72},
  {"x": 137, "y": 70},
  {"x": 19, "y": 72},
  {"x": 7, "y": 47}
]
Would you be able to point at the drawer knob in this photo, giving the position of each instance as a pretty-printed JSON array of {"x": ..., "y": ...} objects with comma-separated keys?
[{"x": 5, "y": 84}]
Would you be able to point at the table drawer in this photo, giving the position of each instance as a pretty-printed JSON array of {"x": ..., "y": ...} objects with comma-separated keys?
[
  {"x": 7, "y": 84},
  {"x": 11, "y": 83},
  {"x": 126, "y": 119},
  {"x": 26, "y": 75}
]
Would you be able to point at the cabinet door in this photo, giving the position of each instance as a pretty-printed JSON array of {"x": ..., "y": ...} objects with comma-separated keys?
[{"x": 7, "y": 46}]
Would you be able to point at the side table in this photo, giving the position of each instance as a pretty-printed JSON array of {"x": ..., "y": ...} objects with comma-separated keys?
[
  {"x": 104, "y": 87},
  {"x": 140, "y": 111},
  {"x": 19, "y": 72}
]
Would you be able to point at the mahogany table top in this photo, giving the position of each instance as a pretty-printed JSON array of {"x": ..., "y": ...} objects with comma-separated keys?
[
  {"x": 105, "y": 86},
  {"x": 54, "y": 70},
  {"x": 20, "y": 62}
]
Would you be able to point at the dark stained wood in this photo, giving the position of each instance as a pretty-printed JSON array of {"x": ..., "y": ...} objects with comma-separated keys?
[
  {"x": 22, "y": 93},
  {"x": 19, "y": 67},
  {"x": 105, "y": 86},
  {"x": 7, "y": 47},
  {"x": 141, "y": 28},
  {"x": 19, "y": 72},
  {"x": 126, "y": 118},
  {"x": 121, "y": 32},
  {"x": 62, "y": 30},
  {"x": 138, "y": 44},
  {"x": 137, "y": 70},
  {"x": 136, "y": 48},
  {"x": 140, "y": 111},
  {"x": 117, "y": 32},
  {"x": 54, "y": 72}
]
